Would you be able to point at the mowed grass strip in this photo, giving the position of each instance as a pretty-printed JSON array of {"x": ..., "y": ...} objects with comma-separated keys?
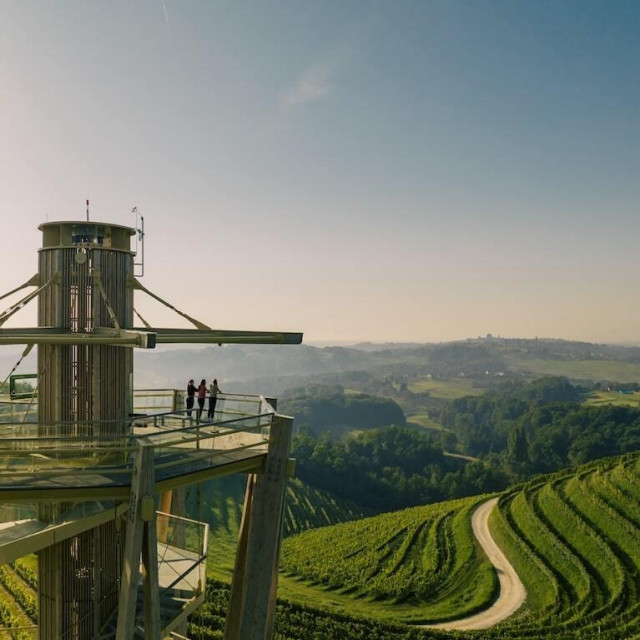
[{"x": 426, "y": 421}]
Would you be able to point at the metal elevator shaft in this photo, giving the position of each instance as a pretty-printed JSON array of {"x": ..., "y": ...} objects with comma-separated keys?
[{"x": 84, "y": 391}]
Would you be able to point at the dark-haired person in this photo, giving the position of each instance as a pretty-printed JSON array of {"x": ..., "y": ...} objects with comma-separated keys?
[
  {"x": 202, "y": 394},
  {"x": 214, "y": 390},
  {"x": 191, "y": 393}
]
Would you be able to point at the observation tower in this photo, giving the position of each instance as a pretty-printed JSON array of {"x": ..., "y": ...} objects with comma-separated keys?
[{"x": 94, "y": 474}]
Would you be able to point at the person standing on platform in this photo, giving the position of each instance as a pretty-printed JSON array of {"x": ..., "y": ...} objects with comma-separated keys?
[
  {"x": 214, "y": 390},
  {"x": 202, "y": 394},
  {"x": 191, "y": 393}
]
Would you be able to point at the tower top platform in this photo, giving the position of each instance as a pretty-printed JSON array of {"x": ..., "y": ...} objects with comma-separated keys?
[{"x": 74, "y": 233}]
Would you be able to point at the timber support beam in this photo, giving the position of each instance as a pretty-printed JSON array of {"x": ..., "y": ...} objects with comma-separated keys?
[{"x": 253, "y": 591}]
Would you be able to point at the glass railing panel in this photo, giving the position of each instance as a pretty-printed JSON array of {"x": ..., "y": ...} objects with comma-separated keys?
[
  {"x": 153, "y": 401},
  {"x": 107, "y": 447},
  {"x": 15, "y": 411}
]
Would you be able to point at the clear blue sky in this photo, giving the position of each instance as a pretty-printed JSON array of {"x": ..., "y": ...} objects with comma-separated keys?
[{"x": 356, "y": 170}]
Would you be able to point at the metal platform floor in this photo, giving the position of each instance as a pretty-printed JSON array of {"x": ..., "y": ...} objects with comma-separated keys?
[{"x": 104, "y": 482}]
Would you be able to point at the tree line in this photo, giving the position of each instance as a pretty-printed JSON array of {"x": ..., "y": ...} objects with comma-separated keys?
[
  {"x": 517, "y": 431},
  {"x": 540, "y": 427}
]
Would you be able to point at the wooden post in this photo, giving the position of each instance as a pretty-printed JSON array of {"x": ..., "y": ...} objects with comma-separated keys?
[
  {"x": 271, "y": 615},
  {"x": 163, "y": 521},
  {"x": 141, "y": 540},
  {"x": 237, "y": 585},
  {"x": 252, "y": 602}
]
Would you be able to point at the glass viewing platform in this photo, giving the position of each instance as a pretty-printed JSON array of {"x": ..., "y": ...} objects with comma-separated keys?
[
  {"x": 74, "y": 460},
  {"x": 92, "y": 474}
]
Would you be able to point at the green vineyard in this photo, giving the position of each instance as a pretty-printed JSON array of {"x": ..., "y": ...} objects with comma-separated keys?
[
  {"x": 18, "y": 600},
  {"x": 573, "y": 537},
  {"x": 425, "y": 556}
]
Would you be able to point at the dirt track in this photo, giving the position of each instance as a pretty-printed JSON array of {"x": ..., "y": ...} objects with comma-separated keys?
[{"x": 512, "y": 591}]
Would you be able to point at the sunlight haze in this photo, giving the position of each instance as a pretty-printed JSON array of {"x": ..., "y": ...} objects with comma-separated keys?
[{"x": 381, "y": 171}]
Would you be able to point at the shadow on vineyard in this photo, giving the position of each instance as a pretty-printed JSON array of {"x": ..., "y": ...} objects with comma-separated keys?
[{"x": 220, "y": 506}]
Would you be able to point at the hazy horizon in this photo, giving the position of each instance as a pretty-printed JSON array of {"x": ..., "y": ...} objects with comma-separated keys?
[{"x": 366, "y": 171}]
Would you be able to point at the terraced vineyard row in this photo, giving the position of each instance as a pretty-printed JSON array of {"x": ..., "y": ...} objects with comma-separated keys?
[
  {"x": 574, "y": 539},
  {"x": 425, "y": 556},
  {"x": 18, "y": 601},
  {"x": 309, "y": 508}
]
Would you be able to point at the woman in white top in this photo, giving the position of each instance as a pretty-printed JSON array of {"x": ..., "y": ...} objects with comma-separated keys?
[{"x": 214, "y": 390}]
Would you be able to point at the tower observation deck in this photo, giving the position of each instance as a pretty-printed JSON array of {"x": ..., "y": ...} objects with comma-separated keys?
[{"x": 93, "y": 473}]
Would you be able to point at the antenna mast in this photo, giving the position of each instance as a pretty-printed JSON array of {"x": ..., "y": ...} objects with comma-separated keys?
[{"x": 139, "y": 242}]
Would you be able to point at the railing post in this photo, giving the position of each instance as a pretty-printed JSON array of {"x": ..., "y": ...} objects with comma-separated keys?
[{"x": 253, "y": 591}]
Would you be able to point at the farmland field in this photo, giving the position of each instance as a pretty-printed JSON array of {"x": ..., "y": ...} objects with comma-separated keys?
[
  {"x": 578, "y": 369},
  {"x": 425, "y": 421},
  {"x": 447, "y": 389},
  {"x": 18, "y": 600},
  {"x": 572, "y": 537},
  {"x": 599, "y": 398}
]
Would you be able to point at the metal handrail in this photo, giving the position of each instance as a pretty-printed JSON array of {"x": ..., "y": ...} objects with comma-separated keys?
[{"x": 89, "y": 454}]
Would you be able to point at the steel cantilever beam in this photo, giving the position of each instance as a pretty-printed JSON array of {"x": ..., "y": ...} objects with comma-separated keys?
[{"x": 144, "y": 338}]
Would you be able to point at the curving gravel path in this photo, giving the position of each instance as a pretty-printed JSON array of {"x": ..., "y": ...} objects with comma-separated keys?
[{"x": 512, "y": 591}]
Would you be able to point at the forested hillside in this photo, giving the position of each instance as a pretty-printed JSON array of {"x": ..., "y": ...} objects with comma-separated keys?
[
  {"x": 484, "y": 362},
  {"x": 390, "y": 468},
  {"x": 518, "y": 430},
  {"x": 541, "y": 426},
  {"x": 327, "y": 409}
]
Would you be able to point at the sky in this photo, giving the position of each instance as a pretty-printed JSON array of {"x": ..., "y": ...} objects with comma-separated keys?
[{"x": 362, "y": 170}]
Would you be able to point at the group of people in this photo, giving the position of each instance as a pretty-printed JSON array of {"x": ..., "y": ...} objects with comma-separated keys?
[{"x": 201, "y": 393}]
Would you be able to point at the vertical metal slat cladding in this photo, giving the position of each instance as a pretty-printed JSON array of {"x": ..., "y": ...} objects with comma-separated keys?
[{"x": 86, "y": 387}]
